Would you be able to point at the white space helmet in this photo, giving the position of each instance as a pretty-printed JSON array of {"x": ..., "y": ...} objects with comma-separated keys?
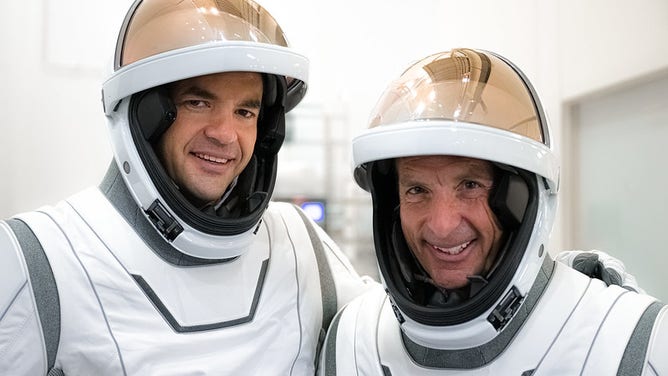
[
  {"x": 164, "y": 41},
  {"x": 474, "y": 104}
]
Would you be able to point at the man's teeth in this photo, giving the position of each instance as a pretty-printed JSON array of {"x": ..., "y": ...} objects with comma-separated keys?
[
  {"x": 454, "y": 250},
  {"x": 211, "y": 158}
]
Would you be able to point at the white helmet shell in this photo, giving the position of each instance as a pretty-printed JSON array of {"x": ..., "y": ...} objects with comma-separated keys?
[
  {"x": 473, "y": 104},
  {"x": 164, "y": 41}
]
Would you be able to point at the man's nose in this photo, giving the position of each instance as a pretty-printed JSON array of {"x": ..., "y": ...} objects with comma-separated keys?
[
  {"x": 221, "y": 127},
  {"x": 444, "y": 213}
]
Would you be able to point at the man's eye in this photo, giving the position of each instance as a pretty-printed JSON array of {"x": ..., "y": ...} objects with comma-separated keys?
[
  {"x": 471, "y": 189},
  {"x": 196, "y": 103},
  {"x": 415, "y": 190},
  {"x": 413, "y": 194},
  {"x": 246, "y": 113},
  {"x": 472, "y": 185}
]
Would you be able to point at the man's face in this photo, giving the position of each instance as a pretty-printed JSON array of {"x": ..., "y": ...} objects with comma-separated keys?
[
  {"x": 213, "y": 137},
  {"x": 446, "y": 218}
]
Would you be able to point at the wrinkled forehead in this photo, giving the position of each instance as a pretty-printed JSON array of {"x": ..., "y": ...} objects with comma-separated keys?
[
  {"x": 442, "y": 162},
  {"x": 443, "y": 169}
]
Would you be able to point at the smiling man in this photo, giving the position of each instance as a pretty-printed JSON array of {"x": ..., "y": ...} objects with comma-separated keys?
[
  {"x": 179, "y": 263},
  {"x": 461, "y": 168},
  {"x": 212, "y": 139},
  {"x": 463, "y": 243}
]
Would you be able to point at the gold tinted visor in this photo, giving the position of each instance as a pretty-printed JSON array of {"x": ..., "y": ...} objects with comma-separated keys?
[
  {"x": 464, "y": 85},
  {"x": 156, "y": 26}
]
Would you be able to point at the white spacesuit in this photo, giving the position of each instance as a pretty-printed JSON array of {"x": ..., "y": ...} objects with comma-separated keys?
[
  {"x": 524, "y": 314},
  {"x": 130, "y": 278}
]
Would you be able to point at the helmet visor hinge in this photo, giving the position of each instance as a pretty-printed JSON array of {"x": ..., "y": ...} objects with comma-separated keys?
[
  {"x": 505, "y": 311},
  {"x": 163, "y": 221}
]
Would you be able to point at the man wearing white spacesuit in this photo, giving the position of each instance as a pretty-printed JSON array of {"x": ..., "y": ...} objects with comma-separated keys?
[
  {"x": 178, "y": 264},
  {"x": 460, "y": 165}
]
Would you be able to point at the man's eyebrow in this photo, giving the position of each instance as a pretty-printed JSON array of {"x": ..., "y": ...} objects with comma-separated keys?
[
  {"x": 197, "y": 91},
  {"x": 205, "y": 94},
  {"x": 251, "y": 103}
]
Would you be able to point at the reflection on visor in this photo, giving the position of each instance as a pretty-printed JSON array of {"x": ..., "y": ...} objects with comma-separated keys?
[
  {"x": 155, "y": 26},
  {"x": 463, "y": 86}
]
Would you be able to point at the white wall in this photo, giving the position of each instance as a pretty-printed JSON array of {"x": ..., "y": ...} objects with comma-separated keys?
[
  {"x": 53, "y": 139},
  {"x": 602, "y": 44},
  {"x": 606, "y": 42},
  {"x": 621, "y": 202}
]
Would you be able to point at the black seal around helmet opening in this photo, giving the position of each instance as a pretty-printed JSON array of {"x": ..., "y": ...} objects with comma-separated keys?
[
  {"x": 151, "y": 112},
  {"x": 381, "y": 178}
]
